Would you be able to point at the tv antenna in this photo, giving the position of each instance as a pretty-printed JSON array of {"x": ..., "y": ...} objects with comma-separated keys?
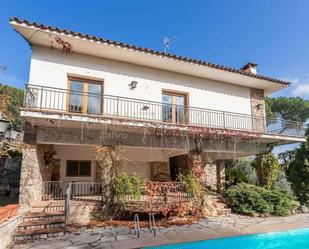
[
  {"x": 167, "y": 42},
  {"x": 3, "y": 68}
]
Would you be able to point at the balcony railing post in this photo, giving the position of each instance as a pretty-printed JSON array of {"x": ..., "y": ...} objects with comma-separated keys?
[
  {"x": 41, "y": 97},
  {"x": 117, "y": 104},
  {"x": 25, "y": 96},
  {"x": 223, "y": 120}
]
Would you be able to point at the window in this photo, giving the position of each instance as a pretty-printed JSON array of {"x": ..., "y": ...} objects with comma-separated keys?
[
  {"x": 78, "y": 168},
  {"x": 174, "y": 107},
  {"x": 85, "y": 96}
]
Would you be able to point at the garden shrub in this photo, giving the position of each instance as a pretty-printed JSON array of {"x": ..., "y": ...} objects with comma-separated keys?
[
  {"x": 192, "y": 185},
  {"x": 235, "y": 176},
  {"x": 240, "y": 170},
  {"x": 127, "y": 185},
  {"x": 249, "y": 199},
  {"x": 282, "y": 183}
]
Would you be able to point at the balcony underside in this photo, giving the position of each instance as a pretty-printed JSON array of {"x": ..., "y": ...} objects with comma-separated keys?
[{"x": 75, "y": 129}]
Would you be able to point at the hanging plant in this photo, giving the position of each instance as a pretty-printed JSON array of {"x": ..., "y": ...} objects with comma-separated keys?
[{"x": 65, "y": 46}]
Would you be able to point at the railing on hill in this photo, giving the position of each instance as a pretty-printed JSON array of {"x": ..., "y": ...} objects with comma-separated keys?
[{"x": 63, "y": 100}]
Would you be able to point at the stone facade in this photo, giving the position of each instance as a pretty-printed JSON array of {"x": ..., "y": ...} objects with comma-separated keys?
[
  {"x": 160, "y": 171},
  {"x": 214, "y": 173},
  {"x": 220, "y": 168},
  {"x": 258, "y": 109},
  {"x": 10, "y": 175},
  {"x": 34, "y": 171},
  {"x": 211, "y": 176}
]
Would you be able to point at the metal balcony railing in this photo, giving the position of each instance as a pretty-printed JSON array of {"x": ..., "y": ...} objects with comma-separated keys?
[{"x": 48, "y": 98}]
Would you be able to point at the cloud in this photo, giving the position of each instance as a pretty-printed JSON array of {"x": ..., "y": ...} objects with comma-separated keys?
[
  {"x": 299, "y": 87},
  {"x": 301, "y": 90}
]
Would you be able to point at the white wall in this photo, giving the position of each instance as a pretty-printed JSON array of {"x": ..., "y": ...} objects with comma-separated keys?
[
  {"x": 51, "y": 68},
  {"x": 142, "y": 169},
  {"x": 75, "y": 153},
  {"x": 80, "y": 152}
]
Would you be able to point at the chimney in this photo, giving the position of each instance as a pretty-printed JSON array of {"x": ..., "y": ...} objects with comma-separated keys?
[{"x": 249, "y": 68}]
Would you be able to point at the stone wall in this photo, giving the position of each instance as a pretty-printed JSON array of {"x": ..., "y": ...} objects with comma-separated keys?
[
  {"x": 211, "y": 176},
  {"x": 160, "y": 171},
  {"x": 214, "y": 173},
  {"x": 34, "y": 171},
  {"x": 10, "y": 175},
  {"x": 220, "y": 166},
  {"x": 258, "y": 109}
]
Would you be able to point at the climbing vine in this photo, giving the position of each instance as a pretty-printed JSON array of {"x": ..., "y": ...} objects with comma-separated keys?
[
  {"x": 267, "y": 167},
  {"x": 107, "y": 157},
  {"x": 65, "y": 46}
]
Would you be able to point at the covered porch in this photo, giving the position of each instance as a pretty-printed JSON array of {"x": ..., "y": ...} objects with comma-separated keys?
[
  {"x": 62, "y": 151},
  {"x": 76, "y": 166}
]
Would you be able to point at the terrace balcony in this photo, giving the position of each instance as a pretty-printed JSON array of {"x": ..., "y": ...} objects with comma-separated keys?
[{"x": 63, "y": 101}]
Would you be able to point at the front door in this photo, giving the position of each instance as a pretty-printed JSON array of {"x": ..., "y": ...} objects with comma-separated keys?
[{"x": 178, "y": 165}]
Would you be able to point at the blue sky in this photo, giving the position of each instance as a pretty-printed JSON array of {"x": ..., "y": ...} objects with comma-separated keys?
[{"x": 274, "y": 34}]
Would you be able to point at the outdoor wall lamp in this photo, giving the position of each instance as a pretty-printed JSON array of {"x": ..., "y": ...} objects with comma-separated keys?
[
  {"x": 259, "y": 106},
  {"x": 145, "y": 108},
  {"x": 133, "y": 84}
]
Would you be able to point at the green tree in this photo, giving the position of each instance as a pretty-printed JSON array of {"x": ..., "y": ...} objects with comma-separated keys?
[
  {"x": 11, "y": 99},
  {"x": 286, "y": 157},
  {"x": 298, "y": 173},
  {"x": 240, "y": 170},
  {"x": 296, "y": 109}
]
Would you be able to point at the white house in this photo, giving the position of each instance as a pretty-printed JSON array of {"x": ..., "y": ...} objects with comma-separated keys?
[{"x": 154, "y": 108}]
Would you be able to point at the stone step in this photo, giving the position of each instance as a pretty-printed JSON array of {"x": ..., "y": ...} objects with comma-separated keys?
[
  {"x": 41, "y": 224},
  {"x": 34, "y": 216},
  {"x": 48, "y": 206},
  {"x": 38, "y": 234},
  {"x": 219, "y": 205},
  {"x": 223, "y": 211},
  {"x": 48, "y": 209}
]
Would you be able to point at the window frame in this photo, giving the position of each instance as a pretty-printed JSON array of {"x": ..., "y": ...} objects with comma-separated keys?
[
  {"x": 78, "y": 169},
  {"x": 174, "y": 93},
  {"x": 86, "y": 81}
]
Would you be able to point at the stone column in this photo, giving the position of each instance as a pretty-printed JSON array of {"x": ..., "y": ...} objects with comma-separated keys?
[
  {"x": 220, "y": 168},
  {"x": 215, "y": 176},
  {"x": 258, "y": 109},
  {"x": 211, "y": 176},
  {"x": 33, "y": 173},
  {"x": 196, "y": 164}
]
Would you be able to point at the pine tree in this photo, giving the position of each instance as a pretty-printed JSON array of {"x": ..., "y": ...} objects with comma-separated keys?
[{"x": 298, "y": 173}]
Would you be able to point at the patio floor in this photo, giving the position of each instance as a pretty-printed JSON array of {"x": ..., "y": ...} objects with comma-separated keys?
[{"x": 214, "y": 227}]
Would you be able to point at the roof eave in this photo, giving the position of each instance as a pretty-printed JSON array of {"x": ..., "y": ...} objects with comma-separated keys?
[{"x": 18, "y": 22}]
